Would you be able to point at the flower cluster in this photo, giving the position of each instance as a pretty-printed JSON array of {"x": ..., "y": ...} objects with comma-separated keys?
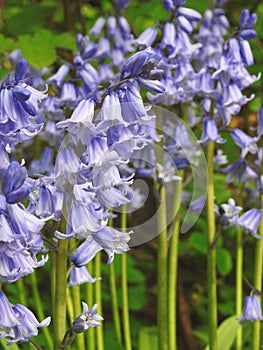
[{"x": 99, "y": 133}]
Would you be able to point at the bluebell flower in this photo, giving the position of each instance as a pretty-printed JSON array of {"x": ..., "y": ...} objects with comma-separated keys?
[
  {"x": 250, "y": 221},
  {"x": 122, "y": 140},
  {"x": 69, "y": 94},
  {"x": 16, "y": 261},
  {"x": 140, "y": 64},
  {"x": 85, "y": 252},
  {"x": 8, "y": 318},
  {"x": 121, "y": 4},
  {"x": 260, "y": 122},
  {"x": 16, "y": 95},
  {"x": 231, "y": 212},
  {"x": 88, "y": 318},
  {"x": 112, "y": 241},
  {"x": 251, "y": 310},
  {"x": 220, "y": 158},
  {"x": 14, "y": 183},
  {"x": 146, "y": 38},
  {"x": 84, "y": 219},
  {"x": 24, "y": 324},
  {"x": 245, "y": 142},
  {"x": 80, "y": 275},
  {"x": 98, "y": 26},
  {"x": 239, "y": 171},
  {"x": 58, "y": 78},
  {"x": 210, "y": 132}
]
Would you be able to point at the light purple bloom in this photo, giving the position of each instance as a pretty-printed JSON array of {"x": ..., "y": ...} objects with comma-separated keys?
[
  {"x": 19, "y": 324},
  {"x": 88, "y": 318},
  {"x": 252, "y": 310},
  {"x": 80, "y": 275},
  {"x": 250, "y": 221},
  {"x": 210, "y": 132},
  {"x": 245, "y": 142}
]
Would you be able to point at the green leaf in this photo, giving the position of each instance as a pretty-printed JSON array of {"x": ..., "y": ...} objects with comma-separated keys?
[
  {"x": 28, "y": 19},
  {"x": 148, "y": 339},
  {"x": 6, "y": 44},
  {"x": 224, "y": 261},
  {"x": 65, "y": 41},
  {"x": 201, "y": 334},
  {"x": 198, "y": 241},
  {"x": 38, "y": 50},
  {"x": 226, "y": 333}
]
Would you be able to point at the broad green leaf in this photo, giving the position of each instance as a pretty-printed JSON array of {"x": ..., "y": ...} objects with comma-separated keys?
[
  {"x": 38, "y": 50},
  {"x": 3, "y": 73},
  {"x": 6, "y": 44},
  {"x": 148, "y": 338},
  {"x": 223, "y": 261},
  {"x": 28, "y": 19},
  {"x": 65, "y": 41},
  {"x": 226, "y": 333}
]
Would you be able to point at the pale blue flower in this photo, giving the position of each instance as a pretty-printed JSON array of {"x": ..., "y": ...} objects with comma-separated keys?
[
  {"x": 252, "y": 310},
  {"x": 88, "y": 318}
]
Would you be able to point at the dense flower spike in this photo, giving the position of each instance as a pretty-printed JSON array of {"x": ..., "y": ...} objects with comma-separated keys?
[{"x": 99, "y": 135}]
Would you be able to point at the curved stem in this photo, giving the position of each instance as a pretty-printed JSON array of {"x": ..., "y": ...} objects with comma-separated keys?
[
  {"x": 172, "y": 287},
  {"x": 211, "y": 252},
  {"x": 125, "y": 303},
  {"x": 124, "y": 285},
  {"x": 70, "y": 307},
  {"x": 239, "y": 283},
  {"x": 114, "y": 305},
  {"x": 22, "y": 292},
  {"x": 61, "y": 293},
  {"x": 39, "y": 308},
  {"x": 99, "y": 330},
  {"x": 162, "y": 274}
]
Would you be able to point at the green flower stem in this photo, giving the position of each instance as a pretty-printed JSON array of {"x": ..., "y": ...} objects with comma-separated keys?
[
  {"x": 22, "y": 292},
  {"x": 162, "y": 275},
  {"x": 70, "y": 307},
  {"x": 125, "y": 303},
  {"x": 211, "y": 252},
  {"x": 90, "y": 334},
  {"x": 60, "y": 293},
  {"x": 172, "y": 287},
  {"x": 114, "y": 305},
  {"x": 114, "y": 300},
  {"x": 173, "y": 267},
  {"x": 124, "y": 287},
  {"x": 98, "y": 298},
  {"x": 239, "y": 283},
  {"x": 258, "y": 283},
  {"x": 39, "y": 308},
  {"x": 53, "y": 280},
  {"x": 77, "y": 306}
]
